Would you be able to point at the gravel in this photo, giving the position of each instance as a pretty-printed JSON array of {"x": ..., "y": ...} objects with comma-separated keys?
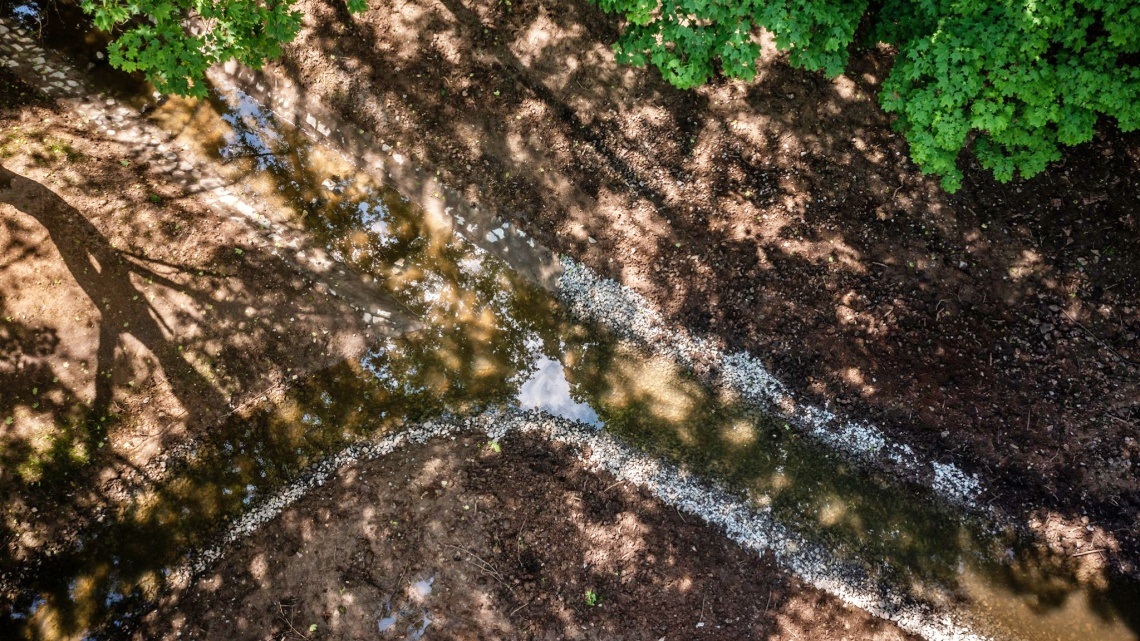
[
  {"x": 752, "y": 528},
  {"x": 629, "y": 315}
]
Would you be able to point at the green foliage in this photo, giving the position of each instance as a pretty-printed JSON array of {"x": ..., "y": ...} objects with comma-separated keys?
[
  {"x": 1011, "y": 79},
  {"x": 156, "y": 36}
]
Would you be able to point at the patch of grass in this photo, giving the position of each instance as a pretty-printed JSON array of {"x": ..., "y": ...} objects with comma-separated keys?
[
  {"x": 12, "y": 142},
  {"x": 58, "y": 147}
]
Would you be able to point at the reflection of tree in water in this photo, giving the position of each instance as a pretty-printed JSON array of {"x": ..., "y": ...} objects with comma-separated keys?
[
  {"x": 899, "y": 536},
  {"x": 253, "y": 133},
  {"x": 474, "y": 343},
  {"x": 475, "y": 340}
]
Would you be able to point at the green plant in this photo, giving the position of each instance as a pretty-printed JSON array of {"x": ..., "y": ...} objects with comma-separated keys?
[
  {"x": 1013, "y": 80},
  {"x": 592, "y": 598},
  {"x": 57, "y": 147},
  {"x": 174, "y": 42}
]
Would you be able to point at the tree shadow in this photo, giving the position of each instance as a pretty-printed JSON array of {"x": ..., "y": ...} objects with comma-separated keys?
[
  {"x": 802, "y": 279},
  {"x": 107, "y": 276},
  {"x": 784, "y": 217},
  {"x": 200, "y": 328},
  {"x": 790, "y": 237},
  {"x": 805, "y": 287},
  {"x": 545, "y": 535},
  {"x": 902, "y": 538}
]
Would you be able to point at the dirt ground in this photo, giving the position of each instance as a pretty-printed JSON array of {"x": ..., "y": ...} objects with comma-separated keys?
[
  {"x": 132, "y": 318},
  {"x": 487, "y": 544},
  {"x": 996, "y": 327}
]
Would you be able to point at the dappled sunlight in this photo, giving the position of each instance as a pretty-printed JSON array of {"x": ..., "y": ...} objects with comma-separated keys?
[
  {"x": 1061, "y": 614},
  {"x": 856, "y": 380},
  {"x": 1029, "y": 265},
  {"x": 496, "y": 542},
  {"x": 530, "y": 46},
  {"x": 831, "y": 252},
  {"x": 234, "y": 467},
  {"x": 484, "y": 332},
  {"x": 803, "y": 617},
  {"x": 159, "y": 332},
  {"x": 739, "y": 433},
  {"x": 654, "y": 385},
  {"x": 860, "y": 519},
  {"x": 835, "y": 512}
]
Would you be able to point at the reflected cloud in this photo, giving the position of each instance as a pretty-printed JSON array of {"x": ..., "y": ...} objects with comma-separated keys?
[{"x": 548, "y": 390}]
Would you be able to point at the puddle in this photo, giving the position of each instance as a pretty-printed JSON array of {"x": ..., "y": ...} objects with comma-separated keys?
[
  {"x": 413, "y": 619},
  {"x": 491, "y": 338},
  {"x": 252, "y": 134},
  {"x": 386, "y": 623},
  {"x": 29, "y": 14},
  {"x": 422, "y": 589},
  {"x": 547, "y": 389}
]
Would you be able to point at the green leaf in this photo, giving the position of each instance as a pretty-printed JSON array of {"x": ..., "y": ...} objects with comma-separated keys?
[{"x": 1017, "y": 79}]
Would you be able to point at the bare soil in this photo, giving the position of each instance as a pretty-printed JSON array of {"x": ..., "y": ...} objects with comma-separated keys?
[
  {"x": 133, "y": 317},
  {"x": 513, "y": 543},
  {"x": 996, "y": 327}
]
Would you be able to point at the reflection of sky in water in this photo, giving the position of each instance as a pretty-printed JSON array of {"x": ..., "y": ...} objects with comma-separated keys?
[
  {"x": 28, "y": 13},
  {"x": 378, "y": 362},
  {"x": 253, "y": 131},
  {"x": 374, "y": 217},
  {"x": 30, "y": 611},
  {"x": 416, "y": 615},
  {"x": 547, "y": 389},
  {"x": 421, "y": 589},
  {"x": 471, "y": 266},
  {"x": 386, "y": 623}
]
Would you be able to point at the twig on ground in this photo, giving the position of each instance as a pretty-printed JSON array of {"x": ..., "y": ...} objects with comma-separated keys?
[
  {"x": 261, "y": 154},
  {"x": 1097, "y": 339},
  {"x": 289, "y": 621},
  {"x": 483, "y": 565},
  {"x": 1087, "y": 552},
  {"x": 520, "y": 607}
]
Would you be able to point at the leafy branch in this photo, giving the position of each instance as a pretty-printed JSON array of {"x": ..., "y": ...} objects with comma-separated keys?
[{"x": 1013, "y": 80}]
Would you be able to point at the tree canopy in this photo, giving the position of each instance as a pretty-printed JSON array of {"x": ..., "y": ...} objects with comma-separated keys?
[
  {"x": 1013, "y": 80},
  {"x": 174, "y": 42}
]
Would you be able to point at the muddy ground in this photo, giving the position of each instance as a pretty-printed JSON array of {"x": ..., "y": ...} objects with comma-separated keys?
[
  {"x": 996, "y": 327},
  {"x": 90, "y": 233},
  {"x": 515, "y": 541},
  {"x": 133, "y": 317}
]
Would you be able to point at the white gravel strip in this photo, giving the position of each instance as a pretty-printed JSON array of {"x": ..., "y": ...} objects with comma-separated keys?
[
  {"x": 628, "y": 314},
  {"x": 744, "y": 524},
  {"x": 314, "y": 477}
]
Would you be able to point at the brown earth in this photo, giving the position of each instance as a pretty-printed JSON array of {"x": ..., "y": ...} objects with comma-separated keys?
[
  {"x": 996, "y": 327},
  {"x": 512, "y": 543},
  {"x": 133, "y": 317}
]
